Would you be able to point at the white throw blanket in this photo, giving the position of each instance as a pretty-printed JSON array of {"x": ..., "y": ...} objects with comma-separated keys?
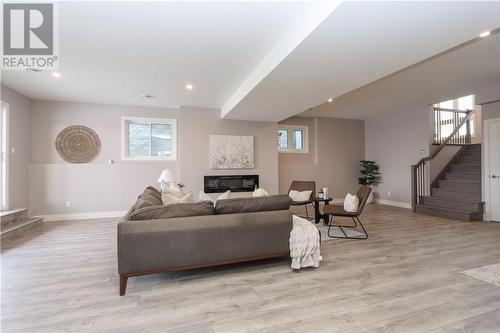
[{"x": 304, "y": 244}]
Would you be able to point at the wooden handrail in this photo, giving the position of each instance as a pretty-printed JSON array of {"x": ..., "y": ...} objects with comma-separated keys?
[
  {"x": 452, "y": 110},
  {"x": 448, "y": 138},
  {"x": 455, "y": 131}
]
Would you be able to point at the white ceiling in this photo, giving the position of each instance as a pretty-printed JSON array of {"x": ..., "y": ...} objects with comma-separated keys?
[
  {"x": 112, "y": 52},
  {"x": 465, "y": 71},
  {"x": 359, "y": 43},
  {"x": 254, "y": 60}
]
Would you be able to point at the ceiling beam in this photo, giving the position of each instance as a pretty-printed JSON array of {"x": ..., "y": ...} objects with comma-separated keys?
[{"x": 311, "y": 19}]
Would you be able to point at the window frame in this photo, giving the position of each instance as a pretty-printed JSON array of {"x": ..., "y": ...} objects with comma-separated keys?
[
  {"x": 290, "y": 133},
  {"x": 124, "y": 139}
]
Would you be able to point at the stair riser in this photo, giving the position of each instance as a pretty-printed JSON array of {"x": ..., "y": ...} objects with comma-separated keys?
[
  {"x": 452, "y": 215},
  {"x": 472, "y": 206},
  {"x": 456, "y": 195},
  {"x": 21, "y": 231},
  {"x": 470, "y": 160},
  {"x": 467, "y": 168},
  {"x": 460, "y": 186},
  {"x": 474, "y": 148},
  {"x": 462, "y": 177},
  {"x": 11, "y": 219},
  {"x": 472, "y": 153}
]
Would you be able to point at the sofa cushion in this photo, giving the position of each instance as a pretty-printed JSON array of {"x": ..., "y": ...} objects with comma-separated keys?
[
  {"x": 150, "y": 197},
  {"x": 247, "y": 205},
  {"x": 169, "y": 211}
]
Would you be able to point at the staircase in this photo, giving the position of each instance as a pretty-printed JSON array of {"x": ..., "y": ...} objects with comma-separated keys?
[
  {"x": 15, "y": 222},
  {"x": 457, "y": 191}
]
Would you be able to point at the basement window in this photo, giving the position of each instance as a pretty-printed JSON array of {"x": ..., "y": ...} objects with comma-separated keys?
[
  {"x": 293, "y": 139},
  {"x": 149, "y": 139}
]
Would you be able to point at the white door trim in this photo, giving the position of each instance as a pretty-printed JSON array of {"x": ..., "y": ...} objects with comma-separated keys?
[
  {"x": 7, "y": 155},
  {"x": 486, "y": 168}
]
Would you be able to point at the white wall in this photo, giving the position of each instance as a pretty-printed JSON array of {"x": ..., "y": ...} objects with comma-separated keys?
[
  {"x": 90, "y": 187},
  {"x": 195, "y": 127},
  {"x": 335, "y": 148},
  {"x": 395, "y": 142},
  {"x": 20, "y": 141},
  {"x": 98, "y": 186}
]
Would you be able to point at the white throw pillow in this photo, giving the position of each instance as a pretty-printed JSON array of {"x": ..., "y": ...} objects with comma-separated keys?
[
  {"x": 205, "y": 197},
  {"x": 168, "y": 199},
  {"x": 299, "y": 196},
  {"x": 171, "y": 189},
  {"x": 351, "y": 203},
  {"x": 260, "y": 192}
]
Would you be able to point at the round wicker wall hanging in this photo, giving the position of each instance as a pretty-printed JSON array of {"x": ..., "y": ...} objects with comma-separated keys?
[{"x": 78, "y": 144}]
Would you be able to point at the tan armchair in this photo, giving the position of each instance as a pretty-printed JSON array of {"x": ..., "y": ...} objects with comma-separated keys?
[
  {"x": 338, "y": 210},
  {"x": 299, "y": 185}
]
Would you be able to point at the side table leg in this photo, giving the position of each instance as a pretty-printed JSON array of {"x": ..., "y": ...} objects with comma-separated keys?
[{"x": 317, "y": 213}]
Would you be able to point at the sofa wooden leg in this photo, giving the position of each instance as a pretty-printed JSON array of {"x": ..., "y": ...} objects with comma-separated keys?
[{"x": 123, "y": 284}]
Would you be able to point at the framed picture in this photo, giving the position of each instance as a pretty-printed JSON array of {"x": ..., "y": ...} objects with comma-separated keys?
[{"x": 231, "y": 152}]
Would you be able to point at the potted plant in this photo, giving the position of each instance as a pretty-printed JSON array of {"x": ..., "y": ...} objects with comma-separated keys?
[{"x": 369, "y": 176}]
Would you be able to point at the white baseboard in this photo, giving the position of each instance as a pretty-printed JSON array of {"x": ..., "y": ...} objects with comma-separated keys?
[
  {"x": 393, "y": 203},
  {"x": 83, "y": 216}
]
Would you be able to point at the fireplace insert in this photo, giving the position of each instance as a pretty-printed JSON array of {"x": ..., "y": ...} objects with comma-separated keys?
[{"x": 217, "y": 184}]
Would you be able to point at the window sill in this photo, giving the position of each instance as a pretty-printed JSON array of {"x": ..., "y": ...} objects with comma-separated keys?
[
  {"x": 293, "y": 151},
  {"x": 149, "y": 159}
]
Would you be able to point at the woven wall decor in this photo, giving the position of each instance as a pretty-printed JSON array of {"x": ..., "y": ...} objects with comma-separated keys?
[{"x": 78, "y": 144}]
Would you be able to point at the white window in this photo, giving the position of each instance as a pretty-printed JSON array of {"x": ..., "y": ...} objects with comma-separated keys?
[
  {"x": 293, "y": 139},
  {"x": 149, "y": 139}
]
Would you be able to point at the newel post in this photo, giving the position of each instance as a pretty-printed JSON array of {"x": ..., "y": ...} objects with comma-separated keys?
[{"x": 413, "y": 188}]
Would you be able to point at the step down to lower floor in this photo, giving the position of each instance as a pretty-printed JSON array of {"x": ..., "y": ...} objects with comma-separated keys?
[
  {"x": 457, "y": 214},
  {"x": 20, "y": 228}
]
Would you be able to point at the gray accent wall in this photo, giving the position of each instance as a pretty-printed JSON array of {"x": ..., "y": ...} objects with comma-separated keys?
[
  {"x": 335, "y": 148},
  {"x": 20, "y": 140}
]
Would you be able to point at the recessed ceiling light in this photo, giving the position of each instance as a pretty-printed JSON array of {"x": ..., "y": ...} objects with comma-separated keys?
[
  {"x": 485, "y": 34},
  {"x": 330, "y": 100},
  {"x": 56, "y": 74},
  {"x": 189, "y": 86},
  {"x": 147, "y": 96}
]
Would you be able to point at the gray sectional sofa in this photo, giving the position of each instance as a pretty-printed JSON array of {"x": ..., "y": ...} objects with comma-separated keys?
[{"x": 154, "y": 238}]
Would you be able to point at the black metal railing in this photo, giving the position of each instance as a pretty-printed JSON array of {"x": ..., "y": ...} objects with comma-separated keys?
[
  {"x": 446, "y": 120},
  {"x": 420, "y": 182}
]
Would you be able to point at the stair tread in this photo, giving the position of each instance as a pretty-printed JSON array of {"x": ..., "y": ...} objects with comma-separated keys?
[
  {"x": 451, "y": 199},
  {"x": 465, "y": 173},
  {"x": 464, "y": 181},
  {"x": 456, "y": 190},
  {"x": 461, "y": 191},
  {"x": 5, "y": 213},
  {"x": 448, "y": 209},
  {"x": 26, "y": 222},
  {"x": 467, "y": 164}
]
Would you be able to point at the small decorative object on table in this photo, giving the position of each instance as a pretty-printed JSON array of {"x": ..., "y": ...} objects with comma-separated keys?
[
  {"x": 320, "y": 193},
  {"x": 370, "y": 176}
]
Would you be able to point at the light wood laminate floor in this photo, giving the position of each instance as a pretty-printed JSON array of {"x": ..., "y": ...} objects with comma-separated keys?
[{"x": 404, "y": 278}]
